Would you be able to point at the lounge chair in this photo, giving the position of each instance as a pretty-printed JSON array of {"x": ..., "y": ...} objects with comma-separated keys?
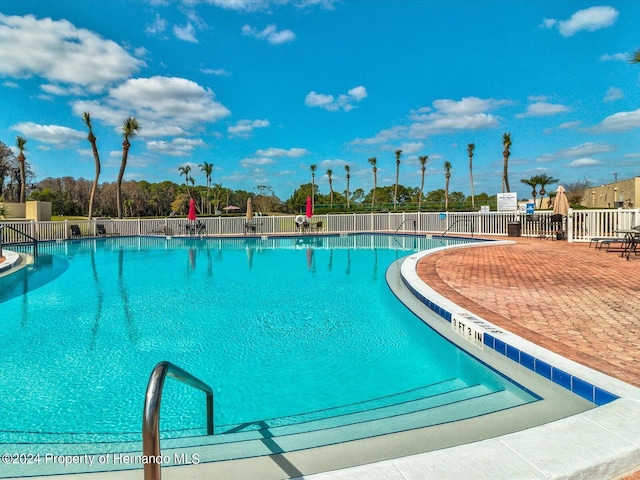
[
  {"x": 103, "y": 231},
  {"x": 75, "y": 231}
]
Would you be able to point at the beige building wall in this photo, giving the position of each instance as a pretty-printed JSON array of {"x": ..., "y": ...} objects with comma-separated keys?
[
  {"x": 622, "y": 194},
  {"x": 29, "y": 211}
]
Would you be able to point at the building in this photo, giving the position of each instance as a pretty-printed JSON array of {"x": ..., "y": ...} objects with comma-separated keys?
[{"x": 622, "y": 194}]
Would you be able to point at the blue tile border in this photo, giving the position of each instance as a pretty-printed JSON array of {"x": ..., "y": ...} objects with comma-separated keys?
[{"x": 580, "y": 387}]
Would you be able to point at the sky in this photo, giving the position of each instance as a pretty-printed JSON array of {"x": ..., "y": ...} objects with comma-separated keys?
[{"x": 263, "y": 89}]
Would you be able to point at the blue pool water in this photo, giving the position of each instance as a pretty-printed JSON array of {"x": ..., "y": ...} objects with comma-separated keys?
[{"x": 276, "y": 326}]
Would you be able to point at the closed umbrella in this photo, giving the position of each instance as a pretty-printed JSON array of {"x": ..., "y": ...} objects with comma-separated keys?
[
  {"x": 309, "y": 209},
  {"x": 192, "y": 210},
  {"x": 249, "y": 209},
  {"x": 561, "y": 204}
]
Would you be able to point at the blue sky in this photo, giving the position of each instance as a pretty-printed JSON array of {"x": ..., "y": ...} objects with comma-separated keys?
[{"x": 265, "y": 88}]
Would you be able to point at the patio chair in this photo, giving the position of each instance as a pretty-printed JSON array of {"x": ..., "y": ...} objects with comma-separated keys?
[
  {"x": 316, "y": 227},
  {"x": 249, "y": 228},
  {"x": 557, "y": 227},
  {"x": 102, "y": 231},
  {"x": 534, "y": 225},
  {"x": 75, "y": 231}
]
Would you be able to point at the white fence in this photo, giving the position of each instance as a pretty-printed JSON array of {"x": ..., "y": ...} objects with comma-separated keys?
[{"x": 580, "y": 225}]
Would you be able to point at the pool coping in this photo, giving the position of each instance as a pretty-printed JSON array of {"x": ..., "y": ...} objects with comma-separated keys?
[{"x": 598, "y": 443}]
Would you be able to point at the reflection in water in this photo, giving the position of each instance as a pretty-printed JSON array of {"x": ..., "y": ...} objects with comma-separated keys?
[
  {"x": 348, "y": 270},
  {"x": 250, "y": 249},
  {"x": 99, "y": 296},
  {"x": 131, "y": 327},
  {"x": 192, "y": 258}
]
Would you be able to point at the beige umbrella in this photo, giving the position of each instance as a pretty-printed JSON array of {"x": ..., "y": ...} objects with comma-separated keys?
[
  {"x": 561, "y": 204},
  {"x": 249, "y": 209}
]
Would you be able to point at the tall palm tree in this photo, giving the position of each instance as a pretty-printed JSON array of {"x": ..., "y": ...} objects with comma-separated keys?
[
  {"x": 544, "y": 180},
  {"x": 470, "y": 148},
  {"x": 447, "y": 176},
  {"x": 533, "y": 183},
  {"x": 395, "y": 191},
  {"x": 347, "y": 169},
  {"x": 207, "y": 168},
  {"x": 185, "y": 170},
  {"x": 86, "y": 116},
  {"x": 20, "y": 141},
  {"x": 423, "y": 167},
  {"x": 506, "y": 143},
  {"x": 635, "y": 58},
  {"x": 313, "y": 169},
  {"x": 130, "y": 128},
  {"x": 373, "y": 161},
  {"x": 329, "y": 174}
]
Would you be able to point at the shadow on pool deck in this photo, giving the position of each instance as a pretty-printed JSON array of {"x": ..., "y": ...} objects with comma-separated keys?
[{"x": 579, "y": 302}]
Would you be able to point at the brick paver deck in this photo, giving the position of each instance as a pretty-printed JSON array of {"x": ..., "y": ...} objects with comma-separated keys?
[{"x": 579, "y": 302}]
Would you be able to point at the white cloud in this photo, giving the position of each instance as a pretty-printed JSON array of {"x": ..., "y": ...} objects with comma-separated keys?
[
  {"x": 584, "y": 162},
  {"x": 281, "y": 152},
  {"x": 264, "y": 5},
  {"x": 613, "y": 94},
  {"x": 589, "y": 19},
  {"x": 543, "y": 109},
  {"x": 9, "y": 84},
  {"x": 254, "y": 162},
  {"x": 624, "y": 57},
  {"x": 49, "y": 134},
  {"x": 164, "y": 106},
  {"x": 177, "y": 147},
  {"x": 244, "y": 128},
  {"x": 220, "y": 72},
  {"x": 270, "y": 33},
  {"x": 584, "y": 150},
  {"x": 620, "y": 122},
  {"x": 158, "y": 26},
  {"x": 344, "y": 102},
  {"x": 61, "y": 53},
  {"x": 186, "y": 33}
]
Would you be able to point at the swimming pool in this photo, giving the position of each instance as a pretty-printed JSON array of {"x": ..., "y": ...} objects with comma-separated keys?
[{"x": 279, "y": 327}]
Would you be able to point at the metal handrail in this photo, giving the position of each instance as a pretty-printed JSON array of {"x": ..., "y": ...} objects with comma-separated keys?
[
  {"x": 151, "y": 413},
  {"x": 34, "y": 242}
]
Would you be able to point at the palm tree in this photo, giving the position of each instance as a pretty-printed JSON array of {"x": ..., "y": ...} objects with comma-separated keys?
[
  {"x": 20, "y": 141},
  {"x": 86, "y": 116},
  {"x": 347, "y": 169},
  {"x": 533, "y": 183},
  {"x": 470, "y": 148},
  {"x": 186, "y": 170},
  {"x": 423, "y": 166},
  {"x": 447, "y": 175},
  {"x": 313, "y": 186},
  {"x": 130, "y": 128},
  {"x": 207, "y": 168},
  {"x": 506, "y": 143},
  {"x": 329, "y": 174},
  {"x": 635, "y": 58},
  {"x": 373, "y": 161},
  {"x": 544, "y": 180},
  {"x": 395, "y": 191}
]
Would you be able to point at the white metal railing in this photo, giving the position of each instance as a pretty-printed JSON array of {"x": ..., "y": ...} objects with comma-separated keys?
[{"x": 580, "y": 225}]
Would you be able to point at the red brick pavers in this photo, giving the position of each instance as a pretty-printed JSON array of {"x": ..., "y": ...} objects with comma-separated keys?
[{"x": 579, "y": 302}]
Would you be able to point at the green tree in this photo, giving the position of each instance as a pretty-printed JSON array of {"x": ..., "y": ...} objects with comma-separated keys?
[
  {"x": 329, "y": 175},
  {"x": 544, "y": 180},
  {"x": 533, "y": 183},
  {"x": 20, "y": 142},
  {"x": 423, "y": 167},
  {"x": 395, "y": 192},
  {"x": 506, "y": 152},
  {"x": 447, "y": 176},
  {"x": 86, "y": 116},
  {"x": 185, "y": 170},
  {"x": 207, "y": 168},
  {"x": 347, "y": 169},
  {"x": 470, "y": 148},
  {"x": 130, "y": 128},
  {"x": 373, "y": 161}
]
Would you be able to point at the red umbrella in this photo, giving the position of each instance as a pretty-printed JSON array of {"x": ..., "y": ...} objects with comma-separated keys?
[
  {"x": 309, "y": 210},
  {"x": 192, "y": 210}
]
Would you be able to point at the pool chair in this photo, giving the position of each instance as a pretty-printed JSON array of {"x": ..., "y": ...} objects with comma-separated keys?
[
  {"x": 75, "y": 231},
  {"x": 316, "y": 227},
  {"x": 558, "y": 231},
  {"x": 249, "y": 228},
  {"x": 534, "y": 225},
  {"x": 103, "y": 231}
]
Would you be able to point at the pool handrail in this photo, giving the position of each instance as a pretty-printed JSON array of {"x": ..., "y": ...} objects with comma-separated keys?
[{"x": 151, "y": 413}]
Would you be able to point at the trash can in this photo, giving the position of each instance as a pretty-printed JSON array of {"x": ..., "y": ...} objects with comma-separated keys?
[{"x": 514, "y": 229}]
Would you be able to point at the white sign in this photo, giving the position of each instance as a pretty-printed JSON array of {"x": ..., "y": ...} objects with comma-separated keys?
[
  {"x": 469, "y": 327},
  {"x": 507, "y": 202},
  {"x": 485, "y": 209}
]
